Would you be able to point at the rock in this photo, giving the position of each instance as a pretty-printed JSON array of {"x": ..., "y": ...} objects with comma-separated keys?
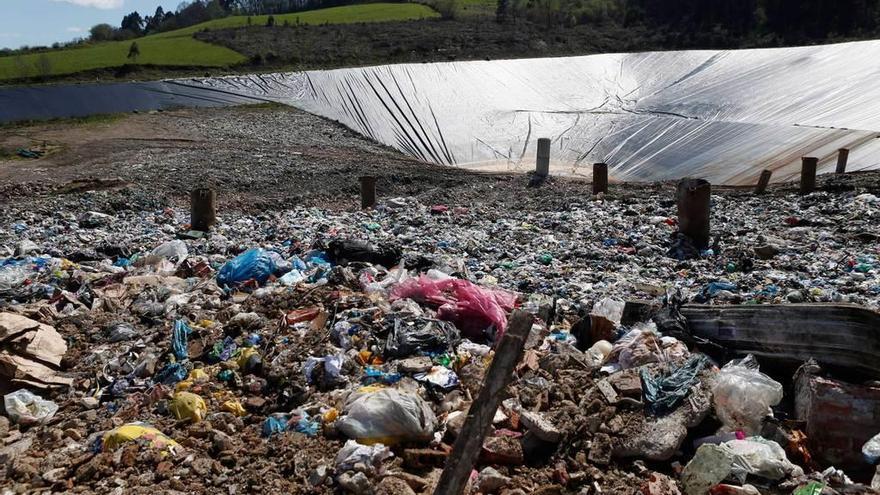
[
  {"x": 424, "y": 458},
  {"x": 26, "y": 247},
  {"x": 709, "y": 467},
  {"x": 502, "y": 450},
  {"x": 413, "y": 365},
  {"x": 454, "y": 424},
  {"x": 319, "y": 475},
  {"x": 658, "y": 439},
  {"x": 600, "y": 449},
  {"x": 94, "y": 219},
  {"x": 89, "y": 403},
  {"x": 393, "y": 486},
  {"x": 540, "y": 426},
  {"x": 12, "y": 451},
  {"x": 795, "y": 296},
  {"x": 73, "y": 434},
  {"x": 490, "y": 481},
  {"x": 660, "y": 484},
  {"x": 54, "y": 476},
  {"x": 4, "y": 426},
  {"x": 356, "y": 483},
  {"x": 628, "y": 383},
  {"x": 417, "y": 483},
  {"x": 766, "y": 252}
]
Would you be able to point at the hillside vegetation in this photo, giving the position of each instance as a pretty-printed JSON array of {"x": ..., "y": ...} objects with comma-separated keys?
[{"x": 178, "y": 48}]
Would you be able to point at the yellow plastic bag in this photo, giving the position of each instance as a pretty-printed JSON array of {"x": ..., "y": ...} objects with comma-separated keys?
[
  {"x": 138, "y": 431},
  {"x": 187, "y": 405},
  {"x": 234, "y": 407},
  {"x": 198, "y": 375},
  {"x": 245, "y": 354}
]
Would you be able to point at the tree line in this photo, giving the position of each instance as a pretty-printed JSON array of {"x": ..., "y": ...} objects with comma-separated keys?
[{"x": 786, "y": 21}]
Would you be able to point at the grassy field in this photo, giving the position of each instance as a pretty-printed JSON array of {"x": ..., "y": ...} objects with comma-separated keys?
[
  {"x": 371, "y": 12},
  {"x": 178, "y": 48}
]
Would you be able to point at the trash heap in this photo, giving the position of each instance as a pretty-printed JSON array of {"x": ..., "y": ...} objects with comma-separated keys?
[{"x": 328, "y": 351}]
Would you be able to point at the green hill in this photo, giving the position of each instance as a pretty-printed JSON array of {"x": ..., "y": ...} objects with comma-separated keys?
[{"x": 178, "y": 48}]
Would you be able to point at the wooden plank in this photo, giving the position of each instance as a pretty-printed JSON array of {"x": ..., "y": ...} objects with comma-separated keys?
[
  {"x": 838, "y": 335},
  {"x": 470, "y": 441}
]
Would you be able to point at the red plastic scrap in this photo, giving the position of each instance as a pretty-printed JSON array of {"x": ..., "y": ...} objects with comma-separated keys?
[{"x": 300, "y": 315}]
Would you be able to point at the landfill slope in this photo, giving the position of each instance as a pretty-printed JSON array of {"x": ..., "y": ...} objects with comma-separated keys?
[
  {"x": 304, "y": 345},
  {"x": 721, "y": 115}
]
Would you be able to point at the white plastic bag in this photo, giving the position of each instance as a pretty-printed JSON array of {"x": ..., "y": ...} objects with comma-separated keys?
[
  {"x": 387, "y": 416},
  {"x": 25, "y": 408},
  {"x": 871, "y": 450},
  {"x": 171, "y": 249},
  {"x": 763, "y": 458},
  {"x": 743, "y": 395},
  {"x": 369, "y": 456},
  {"x": 610, "y": 309}
]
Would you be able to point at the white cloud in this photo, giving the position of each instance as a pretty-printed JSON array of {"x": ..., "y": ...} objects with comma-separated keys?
[
  {"x": 10, "y": 35},
  {"x": 74, "y": 29},
  {"x": 98, "y": 4}
]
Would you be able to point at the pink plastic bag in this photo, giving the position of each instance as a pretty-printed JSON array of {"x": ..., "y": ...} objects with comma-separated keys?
[{"x": 470, "y": 307}]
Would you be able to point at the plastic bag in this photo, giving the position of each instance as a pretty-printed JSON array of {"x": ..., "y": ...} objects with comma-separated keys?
[
  {"x": 12, "y": 275},
  {"x": 256, "y": 264},
  {"x": 26, "y": 408},
  {"x": 420, "y": 335},
  {"x": 138, "y": 432},
  {"x": 345, "y": 251},
  {"x": 610, "y": 309},
  {"x": 664, "y": 392},
  {"x": 179, "y": 334},
  {"x": 387, "y": 416},
  {"x": 472, "y": 308},
  {"x": 871, "y": 450},
  {"x": 763, "y": 458},
  {"x": 440, "y": 376},
  {"x": 171, "y": 249},
  {"x": 743, "y": 395},
  {"x": 369, "y": 456},
  {"x": 189, "y": 406}
]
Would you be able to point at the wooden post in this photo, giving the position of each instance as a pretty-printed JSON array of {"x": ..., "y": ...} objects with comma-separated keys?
[
  {"x": 693, "y": 210},
  {"x": 763, "y": 182},
  {"x": 809, "y": 165},
  {"x": 542, "y": 163},
  {"x": 479, "y": 418},
  {"x": 600, "y": 178},
  {"x": 203, "y": 213},
  {"x": 842, "y": 157},
  {"x": 368, "y": 192}
]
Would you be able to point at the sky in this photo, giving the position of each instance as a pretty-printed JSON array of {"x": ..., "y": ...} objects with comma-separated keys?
[{"x": 43, "y": 22}]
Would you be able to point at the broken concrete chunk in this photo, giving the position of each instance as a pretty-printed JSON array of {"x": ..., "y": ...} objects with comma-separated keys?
[
  {"x": 540, "y": 426},
  {"x": 502, "y": 450},
  {"x": 490, "y": 481},
  {"x": 600, "y": 449},
  {"x": 628, "y": 383}
]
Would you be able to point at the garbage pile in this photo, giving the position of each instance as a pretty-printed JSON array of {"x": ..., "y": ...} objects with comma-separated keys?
[{"x": 329, "y": 351}]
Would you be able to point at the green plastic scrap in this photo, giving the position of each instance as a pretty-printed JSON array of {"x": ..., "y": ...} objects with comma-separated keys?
[{"x": 812, "y": 488}]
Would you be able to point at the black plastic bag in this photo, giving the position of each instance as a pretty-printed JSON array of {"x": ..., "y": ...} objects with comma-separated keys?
[{"x": 410, "y": 337}]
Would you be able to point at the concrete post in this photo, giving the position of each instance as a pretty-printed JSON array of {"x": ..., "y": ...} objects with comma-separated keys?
[
  {"x": 693, "y": 210},
  {"x": 763, "y": 182},
  {"x": 203, "y": 213},
  {"x": 842, "y": 157},
  {"x": 542, "y": 163},
  {"x": 600, "y": 178},
  {"x": 368, "y": 192},
  {"x": 809, "y": 165}
]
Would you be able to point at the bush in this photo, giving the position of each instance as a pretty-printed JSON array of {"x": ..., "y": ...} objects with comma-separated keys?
[{"x": 448, "y": 9}]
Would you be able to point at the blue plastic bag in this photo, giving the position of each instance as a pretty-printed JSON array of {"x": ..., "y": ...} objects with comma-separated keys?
[
  {"x": 276, "y": 423},
  {"x": 171, "y": 374},
  {"x": 254, "y": 264},
  {"x": 178, "y": 339}
]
